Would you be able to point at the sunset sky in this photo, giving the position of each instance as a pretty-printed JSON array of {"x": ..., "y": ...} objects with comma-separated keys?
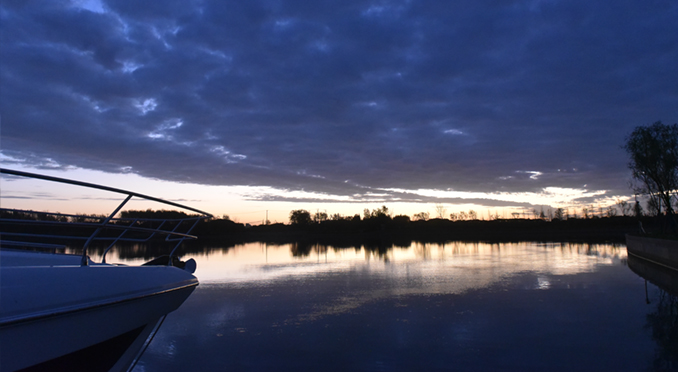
[{"x": 243, "y": 107}]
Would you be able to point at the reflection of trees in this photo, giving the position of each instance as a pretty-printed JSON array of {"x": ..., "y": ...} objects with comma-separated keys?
[
  {"x": 152, "y": 249},
  {"x": 664, "y": 325},
  {"x": 588, "y": 249},
  {"x": 378, "y": 248},
  {"x": 422, "y": 250},
  {"x": 375, "y": 248},
  {"x": 301, "y": 249},
  {"x": 381, "y": 248}
]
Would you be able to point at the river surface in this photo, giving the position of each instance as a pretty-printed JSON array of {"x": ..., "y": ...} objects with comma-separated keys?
[{"x": 426, "y": 307}]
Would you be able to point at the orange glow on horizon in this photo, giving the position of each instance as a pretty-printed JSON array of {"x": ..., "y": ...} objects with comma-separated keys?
[{"x": 239, "y": 202}]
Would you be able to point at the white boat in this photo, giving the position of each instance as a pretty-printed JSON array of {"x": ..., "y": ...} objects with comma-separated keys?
[{"x": 64, "y": 312}]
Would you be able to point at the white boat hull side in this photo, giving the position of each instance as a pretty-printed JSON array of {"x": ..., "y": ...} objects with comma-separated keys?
[
  {"x": 63, "y": 312},
  {"x": 49, "y": 312}
]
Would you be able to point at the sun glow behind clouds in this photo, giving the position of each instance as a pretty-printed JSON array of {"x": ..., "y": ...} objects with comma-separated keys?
[
  {"x": 548, "y": 196},
  {"x": 251, "y": 204},
  {"x": 247, "y": 204}
]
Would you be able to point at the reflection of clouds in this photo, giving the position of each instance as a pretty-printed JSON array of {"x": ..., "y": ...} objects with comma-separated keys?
[
  {"x": 164, "y": 346},
  {"x": 421, "y": 269},
  {"x": 437, "y": 268},
  {"x": 543, "y": 283},
  {"x": 456, "y": 268},
  {"x": 202, "y": 318},
  {"x": 225, "y": 314},
  {"x": 339, "y": 306},
  {"x": 171, "y": 350}
]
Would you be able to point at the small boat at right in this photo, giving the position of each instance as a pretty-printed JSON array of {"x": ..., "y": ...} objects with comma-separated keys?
[{"x": 663, "y": 252}]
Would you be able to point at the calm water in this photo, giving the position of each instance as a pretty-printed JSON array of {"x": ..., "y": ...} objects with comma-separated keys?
[{"x": 458, "y": 307}]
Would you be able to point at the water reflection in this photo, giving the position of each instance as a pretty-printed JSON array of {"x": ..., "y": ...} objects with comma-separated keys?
[
  {"x": 433, "y": 268},
  {"x": 481, "y": 263},
  {"x": 663, "y": 321},
  {"x": 664, "y": 325},
  {"x": 372, "y": 306},
  {"x": 424, "y": 306}
]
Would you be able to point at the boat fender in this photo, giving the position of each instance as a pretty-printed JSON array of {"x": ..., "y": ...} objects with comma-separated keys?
[{"x": 190, "y": 266}]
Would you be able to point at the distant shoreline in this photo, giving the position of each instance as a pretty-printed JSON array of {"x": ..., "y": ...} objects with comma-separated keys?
[{"x": 598, "y": 230}]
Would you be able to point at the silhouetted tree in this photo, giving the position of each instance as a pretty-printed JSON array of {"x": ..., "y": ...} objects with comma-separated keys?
[
  {"x": 624, "y": 206},
  {"x": 153, "y": 214},
  {"x": 611, "y": 211},
  {"x": 320, "y": 217},
  {"x": 300, "y": 217},
  {"x": 339, "y": 217},
  {"x": 421, "y": 216},
  {"x": 654, "y": 206},
  {"x": 401, "y": 219},
  {"x": 379, "y": 213},
  {"x": 586, "y": 212},
  {"x": 440, "y": 210},
  {"x": 653, "y": 151}
]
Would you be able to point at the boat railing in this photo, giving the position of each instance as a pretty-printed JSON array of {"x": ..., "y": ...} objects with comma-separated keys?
[{"x": 32, "y": 229}]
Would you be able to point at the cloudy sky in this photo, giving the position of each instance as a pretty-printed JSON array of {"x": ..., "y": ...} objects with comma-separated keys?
[{"x": 488, "y": 103}]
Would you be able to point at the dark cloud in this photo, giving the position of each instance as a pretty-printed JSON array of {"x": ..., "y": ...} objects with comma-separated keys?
[{"x": 340, "y": 98}]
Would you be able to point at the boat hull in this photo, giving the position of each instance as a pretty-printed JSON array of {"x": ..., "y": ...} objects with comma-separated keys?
[
  {"x": 659, "y": 251},
  {"x": 84, "y": 317},
  {"x": 661, "y": 276},
  {"x": 63, "y": 312}
]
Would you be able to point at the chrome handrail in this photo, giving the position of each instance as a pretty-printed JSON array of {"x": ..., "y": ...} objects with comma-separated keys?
[{"x": 109, "y": 222}]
